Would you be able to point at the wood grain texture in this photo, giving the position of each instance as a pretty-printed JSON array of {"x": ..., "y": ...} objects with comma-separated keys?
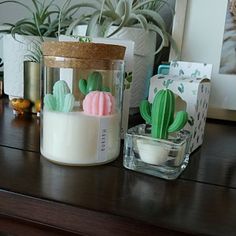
[
  {"x": 109, "y": 199},
  {"x": 182, "y": 206},
  {"x": 10, "y": 226},
  {"x": 20, "y": 132},
  {"x": 73, "y": 220},
  {"x": 215, "y": 161}
]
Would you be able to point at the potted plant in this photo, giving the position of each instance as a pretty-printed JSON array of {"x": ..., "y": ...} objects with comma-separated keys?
[
  {"x": 137, "y": 20},
  {"x": 154, "y": 149},
  {"x": 45, "y": 22}
]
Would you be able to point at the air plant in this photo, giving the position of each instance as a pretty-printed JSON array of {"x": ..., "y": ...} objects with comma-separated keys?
[
  {"x": 35, "y": 53},
  {"x": 122, "y": 13},
  {"x": 45, "y": 20}
]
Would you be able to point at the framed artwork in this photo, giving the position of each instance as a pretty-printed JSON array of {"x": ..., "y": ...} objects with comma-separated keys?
[{"x": 205, "y": 31}]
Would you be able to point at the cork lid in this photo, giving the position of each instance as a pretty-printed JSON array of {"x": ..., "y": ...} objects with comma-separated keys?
[{"x": 83, "y": 50}]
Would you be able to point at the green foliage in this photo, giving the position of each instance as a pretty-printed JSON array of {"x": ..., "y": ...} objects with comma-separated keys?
[
  {"x": 123, "y": 13},
  {"x": 196, "y": 74},
  {"x": 82, "y": 39},
  {"x": 128, "y": 77},
  {"x": 45, "y": 20},
  {"x": 35, "y": 53},
  {"x": 94, "y": 83},
  {"x": 161, "y": 114},
  {"x": 61, "y": 99}
]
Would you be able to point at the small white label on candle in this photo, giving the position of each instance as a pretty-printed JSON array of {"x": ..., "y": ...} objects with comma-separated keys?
[{"x": 102, "y": 140}]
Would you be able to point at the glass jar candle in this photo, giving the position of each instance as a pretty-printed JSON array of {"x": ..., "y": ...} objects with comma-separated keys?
[{"x": 82, "y": 93}]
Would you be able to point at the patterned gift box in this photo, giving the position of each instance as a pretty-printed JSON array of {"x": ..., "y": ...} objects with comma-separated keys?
[{"x": 191, "y": 81}]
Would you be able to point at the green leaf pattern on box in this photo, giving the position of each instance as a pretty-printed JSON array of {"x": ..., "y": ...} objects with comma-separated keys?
[{"x": 190, "y": 69}]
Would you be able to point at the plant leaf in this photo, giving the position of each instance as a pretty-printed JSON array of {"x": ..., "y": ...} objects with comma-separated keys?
[
  {"x": 89, "y": 4},
  {"x": 25, "y": 27},
  {"x": 92, "y": 23},
  {"x": 35, "y": 3},
  {"x": 153, "y": 16},
  {"x": 141, "y": 19},
  {"x": 159, "y": 32},
  {"x": 120, "y": 8},
  {"x": 107, "y": 23},
  {"x": 139, "y": 5},
  {"x": 174, "y": 46},
  {"x": 37, "y": 26},
  {"x": 111, "y": 14},
  {"x": 124, "y": 18},
  {"x": 110, "y": 5},
  {"x": 100, "y": 13},
  {"x": 75, "y": 23}
]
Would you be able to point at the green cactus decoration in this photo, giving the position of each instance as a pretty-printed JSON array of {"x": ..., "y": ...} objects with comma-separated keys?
[
  {"x": 161, "y": 114},
  {"x": 94, "y": 83},
  {"x": 61, "y": 99}
]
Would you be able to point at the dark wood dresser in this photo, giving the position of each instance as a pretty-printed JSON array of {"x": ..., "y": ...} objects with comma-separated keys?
[{"x": 38, "y": 197}]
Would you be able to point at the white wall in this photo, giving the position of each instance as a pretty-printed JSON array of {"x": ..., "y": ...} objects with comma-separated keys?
[{"x": 11, "y": 12}]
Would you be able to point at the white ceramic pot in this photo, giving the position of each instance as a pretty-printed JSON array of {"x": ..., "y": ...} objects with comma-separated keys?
[{"x": 144, "y": 49}]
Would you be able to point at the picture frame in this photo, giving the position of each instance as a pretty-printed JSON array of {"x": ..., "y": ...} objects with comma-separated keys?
[{"x": 198, "y": 29}]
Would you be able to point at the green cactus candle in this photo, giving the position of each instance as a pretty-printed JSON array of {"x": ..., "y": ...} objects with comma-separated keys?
[
  {"x": 161, "y": 114},
  {"x": 61, "y": 99},
  {"x": 94, "y": 83}
]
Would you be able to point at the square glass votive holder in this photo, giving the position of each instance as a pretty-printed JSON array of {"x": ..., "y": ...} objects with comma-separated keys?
[{"x": 158, "y": 157}]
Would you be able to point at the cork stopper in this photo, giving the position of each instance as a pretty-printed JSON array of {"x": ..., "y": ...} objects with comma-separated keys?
[{"x": 83, "y": 50}]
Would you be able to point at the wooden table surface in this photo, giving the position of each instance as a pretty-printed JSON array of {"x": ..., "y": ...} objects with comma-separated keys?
[{"x": 38, "y": 197}]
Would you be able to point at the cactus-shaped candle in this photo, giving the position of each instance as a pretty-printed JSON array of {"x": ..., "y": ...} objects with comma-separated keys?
[
  {"x": 161, "y": 114},
  {"x": 61, "y": 99},
  {"x": 94, "y": 83},
  {"x": 99, "y": 103}
]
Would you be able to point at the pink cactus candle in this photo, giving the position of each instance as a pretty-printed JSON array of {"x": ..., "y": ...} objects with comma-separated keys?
[{"x": 99, "y": 103}]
